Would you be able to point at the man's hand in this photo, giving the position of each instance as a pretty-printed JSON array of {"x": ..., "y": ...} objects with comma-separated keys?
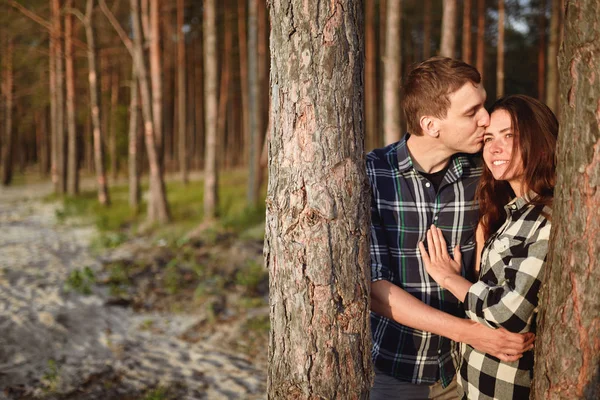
[
  {"x": 438, "y": 263},
  {"x": 500, "y": 343}
]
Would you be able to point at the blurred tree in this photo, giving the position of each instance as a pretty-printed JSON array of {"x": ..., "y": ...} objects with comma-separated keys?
[
  {"x": 181, "y": 94},
  {"x": 211, "y": 173},
  {"x": 480, "y": 62},
  {"x": 72, "y": 149},
  {"x": 500, "y": 51},
  {"x": 567, "y": 349},
  {"x": 392, "y": 129},
  {"x": 316, "y": 245},
  {"x": 8, "y": 144},
  {"x": 466, "y": 32},
  {"x": 61, "y": 170},
  {"x": 542, "y": 51},
  {"x": 553, "y": 46},
  {"x": 254, "y": 104},
  {"x": 448, "y": 46}
]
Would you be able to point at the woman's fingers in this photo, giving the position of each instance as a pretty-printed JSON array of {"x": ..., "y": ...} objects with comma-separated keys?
[
  {"x": 436, "y": 241},
  {"x": 424, "y": 254},
  {"x": 431, "y": 245}
]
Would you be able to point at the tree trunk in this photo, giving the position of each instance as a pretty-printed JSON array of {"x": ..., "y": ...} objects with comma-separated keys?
[
  {"x": 466, "y": 39},
  {"x": 222, "y": 148},
  {"x": 480, "y": 62},
  {"x": 210, "y": 108},
  {"x": 553, "y": 45},
  {"x": 72, "y": 165},
  {"x": 181, "y": 94},
  {"x": 427, "y": 30},
  {"x": 199, "y": 104},
  {"x": 254, "y": 104},
  {"x": 158, "y": 208},
  {"x": 134, "y": 173},
  {"x": 316, "y": 248},
  {"x": 53, "y": 106},
  {"x": 500, "y": 53},
  {"x": 542, "y": 52},
  {"x": 567, "y": 349},
  {"x": 156, "y": 78},
  {"x": 114, "y": 113},
  {"x": 391, "y": 81},
  {"x": 448, "y": 45},
  {"x": 103, "y": 197},
  {"x": 243, "y": 43},
  {"x": 371, "y": 100},
  {"x": 8, "y": 88},
  {"x": 60, "y": 101}
]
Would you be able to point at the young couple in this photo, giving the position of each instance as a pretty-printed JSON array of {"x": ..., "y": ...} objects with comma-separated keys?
[{"x": 432, "y": 197}]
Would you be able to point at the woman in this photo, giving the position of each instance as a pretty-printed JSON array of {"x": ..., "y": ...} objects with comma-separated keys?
[{"x": 515, "y": 195}]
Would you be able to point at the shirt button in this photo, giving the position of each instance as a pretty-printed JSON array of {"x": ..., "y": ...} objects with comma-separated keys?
[
  {"x": 435, "y": 218},
  {"x": 427, "y": 184},
  {"x": 513, "y": 206}
]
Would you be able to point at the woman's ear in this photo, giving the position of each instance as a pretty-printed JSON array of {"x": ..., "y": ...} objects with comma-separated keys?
[{"x": 430, "y": 126}]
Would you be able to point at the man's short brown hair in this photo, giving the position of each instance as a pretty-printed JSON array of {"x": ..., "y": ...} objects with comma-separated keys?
[{"x": 428, "y": 86}]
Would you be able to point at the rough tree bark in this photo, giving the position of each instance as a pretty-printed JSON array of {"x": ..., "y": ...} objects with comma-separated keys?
[
  {"x": 500, "y": 51},
  {"x": 568, "y": 341},
  {"x": 448, "y": 44},
  {"x": 211, "y": 173},
  {"x": 391, "y": 79},
  {"x": 317, "y": 226}
]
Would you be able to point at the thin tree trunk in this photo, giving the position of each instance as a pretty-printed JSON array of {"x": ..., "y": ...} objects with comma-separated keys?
[
  {"x": 60, "y": 100},
  {"x": 72, "y": 165},
  {"x": 567, "y": 347},
  {"x": 199, "y": 104},
  {"x": 500, "y": 54},
  {"x": 134, "y": 173},
  {"x": 254, "y": 104},
  {"x": 427, "y": 30},
  {"x": 393, "y": 60},
  {"x": 103, "y": 196},
  {"x": 156, "y": 77},
  {"x": 317, "y": 249},
  {"x": 224, "y": 95},
  {"x": 466, "y": 39},
  {"x": 542, "y": 51},
  {"x": 8, "y": 88},
  {"x": 181, "y": 94},
  {"x": 448, "y": 45},
  {"x": 243, "y": 43},
  {"x": 210, "y": 101},
  {"x": 480, "y": 36},
  {"x": 553, "y": 45},
  {"x": 114, "y": 103}
]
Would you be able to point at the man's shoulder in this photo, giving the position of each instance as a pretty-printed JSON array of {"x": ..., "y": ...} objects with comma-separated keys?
[
  {"x": 472, "y": 165},
  {"x": 384, "y": 156}
]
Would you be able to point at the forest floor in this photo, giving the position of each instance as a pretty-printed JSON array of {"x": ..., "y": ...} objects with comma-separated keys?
[{"x": 144, "y": 318}]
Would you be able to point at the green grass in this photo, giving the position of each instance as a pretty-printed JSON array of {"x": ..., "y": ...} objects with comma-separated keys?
[
  {"x": 118, "y": 221},
  {"x": 80, "y": 281}
]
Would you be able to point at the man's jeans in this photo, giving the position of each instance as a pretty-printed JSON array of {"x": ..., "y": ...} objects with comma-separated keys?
[{"x": 386, "y": 387}]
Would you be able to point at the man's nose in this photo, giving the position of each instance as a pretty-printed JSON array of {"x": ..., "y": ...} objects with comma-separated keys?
[{"x": 484, "y": 119}]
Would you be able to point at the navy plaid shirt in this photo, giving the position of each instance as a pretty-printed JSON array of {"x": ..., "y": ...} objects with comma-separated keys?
[{"x": 403, "y": 206}]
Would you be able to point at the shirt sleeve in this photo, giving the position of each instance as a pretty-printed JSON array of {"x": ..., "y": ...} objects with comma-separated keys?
[
  {"x": 511, "y": 303},
  {"x": 379, "y": 247}
]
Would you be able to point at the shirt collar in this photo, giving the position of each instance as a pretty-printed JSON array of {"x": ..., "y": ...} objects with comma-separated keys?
[{"x": 520, "y": 202}]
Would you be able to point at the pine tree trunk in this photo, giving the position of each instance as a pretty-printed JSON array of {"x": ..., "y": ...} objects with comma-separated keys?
[
  {"x": 158, "y": 208},
  {"x": 155, "y": 78},
  {"x": 371, "y": 100},
  {"x": 224, "y": 90},
  {"x": 480, "y": 57},
  {"x": 134, "y": 173},
  {"x": 61, "y": 161},
  {"x": 103, "y": 196},
  {"x": 210, "y": 106},
  {"x": 182, "y": 95},
  {"x": 500, "y": 54},
  {"x": 567, "y": 349},
  {"x": 316, "y": 247},
  {"x": 114, "y": 104},
  {"x": 466, "y": 39},
  {"x": 199, "y": 102},
  {"x": 448, "y": 45},
  {"x": 254, "y": 104},
  {"x": 392, "y": 130},
  {"x": 72, "y": 165},
  {"x": 8, "y": 144},
  {"x": 243, "y": 43},
  {"x": 553, "y": 45}
]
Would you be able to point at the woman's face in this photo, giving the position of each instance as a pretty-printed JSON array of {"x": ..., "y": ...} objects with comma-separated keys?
[{"x": 498, "y": 151}]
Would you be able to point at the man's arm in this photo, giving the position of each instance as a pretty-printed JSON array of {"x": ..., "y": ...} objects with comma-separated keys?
[{"x": 394, "y": 303}]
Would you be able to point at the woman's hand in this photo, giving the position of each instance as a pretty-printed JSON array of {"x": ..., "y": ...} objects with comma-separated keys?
[{"x": 438, "y": 263}]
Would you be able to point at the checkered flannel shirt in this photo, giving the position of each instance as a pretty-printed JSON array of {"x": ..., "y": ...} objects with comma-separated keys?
[
  {"x": 403, "y": 206},
  {"x": 506, "y": 295}
]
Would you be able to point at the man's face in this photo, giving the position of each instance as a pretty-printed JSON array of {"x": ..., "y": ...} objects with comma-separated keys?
[{"x": 463, "y": 128}]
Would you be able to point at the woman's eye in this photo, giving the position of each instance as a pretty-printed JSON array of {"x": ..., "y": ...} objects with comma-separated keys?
[
  {"x": 509, "y": 135},
  {"x": 487, "y": 139}
]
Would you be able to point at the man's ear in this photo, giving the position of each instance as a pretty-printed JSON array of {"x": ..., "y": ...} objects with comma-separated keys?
[{"x": 430, "y": 126}]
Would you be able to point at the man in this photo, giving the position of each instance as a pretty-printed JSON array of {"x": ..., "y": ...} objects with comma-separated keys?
[{"x": 428, "y": 177}]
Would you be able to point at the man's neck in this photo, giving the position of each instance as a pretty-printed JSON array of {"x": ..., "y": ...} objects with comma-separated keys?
[{"x": 427, "y": 154}]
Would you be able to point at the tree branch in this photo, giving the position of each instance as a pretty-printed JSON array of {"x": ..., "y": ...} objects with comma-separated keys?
[{"x": 120, "y": 31}]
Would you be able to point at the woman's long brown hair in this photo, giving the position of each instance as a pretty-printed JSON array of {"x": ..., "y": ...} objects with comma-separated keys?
[{"x": 536, "y": 129}]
